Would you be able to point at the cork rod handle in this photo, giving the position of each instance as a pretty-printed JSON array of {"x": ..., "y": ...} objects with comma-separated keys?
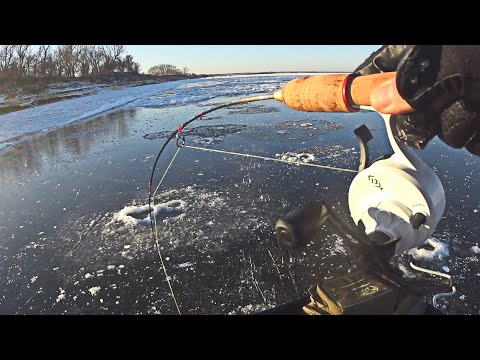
[{"x": 330, "y": 92}]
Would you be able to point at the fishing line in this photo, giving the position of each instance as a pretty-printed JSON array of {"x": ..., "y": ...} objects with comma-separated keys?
[
  {"x": 166, "y": 171},
  {"x": 268, "y": 158},
  {"x": 176, "y": 133},
  {"x": 156, "y": 237}
]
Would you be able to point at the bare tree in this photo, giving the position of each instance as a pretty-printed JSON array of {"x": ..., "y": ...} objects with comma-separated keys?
[
  {"x": 128, "y": 63},
  {"x": 51, "y": 64},
  {"x": 22, "y": 52},
  {"x": 58, "y": 62},
  {"x": 84, "y": 61},
  {"x": 120, "y": 65},
  {"x": 156, "y": 70},
  {"x": 164, "y": 69},
  {"x": 113, "y": 54},
  {"x": 172, "y": 70},
  {"x": 136, "y": 67},
  {"x": 185, "y": 70},
  {"x": 68, "y": 60},
  {"x": 68, "y": 55},
  {"x": 116, "y": 51},
  {"x": 42, "y": 56},
  {"x": 31, "y": 64},
  {"x": 96, "y": 57},
  {"x": 7, "y": 53}
]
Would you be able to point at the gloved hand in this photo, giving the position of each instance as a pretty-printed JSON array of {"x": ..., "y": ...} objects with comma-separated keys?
[{"x": 442, "y": 83}]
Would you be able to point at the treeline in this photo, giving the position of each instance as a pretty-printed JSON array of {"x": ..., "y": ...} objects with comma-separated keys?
[
  {"x": 65, "y": 60},
  {"x": 167, "y": 69}
]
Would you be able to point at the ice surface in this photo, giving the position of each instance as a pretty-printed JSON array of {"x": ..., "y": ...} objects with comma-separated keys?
[{"x": 18, "y": 125}]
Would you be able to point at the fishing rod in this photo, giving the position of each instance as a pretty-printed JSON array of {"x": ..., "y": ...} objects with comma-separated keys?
[
  {"x": 395, "y": 201},
  {"x": 318, "y": 93}
]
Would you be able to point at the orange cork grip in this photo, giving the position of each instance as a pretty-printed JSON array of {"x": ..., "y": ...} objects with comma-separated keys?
[{"x": 327, "y": 93}]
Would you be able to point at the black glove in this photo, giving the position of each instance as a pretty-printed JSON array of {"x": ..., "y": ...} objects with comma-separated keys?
[{"x": 442, "y": 83}]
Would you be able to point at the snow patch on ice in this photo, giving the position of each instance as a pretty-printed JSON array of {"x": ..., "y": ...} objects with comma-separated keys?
[
  {"x": 94, "y": 290},
  {"x": 338, "y": 246},
  {"x": 250, "y": 308},
  {"x": 439, "y": 251},
  {"x": 294, "y": 157},
  {"x": 306, "y": 124},
  {"x": 406, "y": 271},
  {"x": 184, "y": 265},
  {"x": 475, "y": 249},
  {"x": 207, "y": 140},
  {"x": 126, "y": 215},
  {"x": 210, "y": 204},
  {"x": 61, "y": 296}
]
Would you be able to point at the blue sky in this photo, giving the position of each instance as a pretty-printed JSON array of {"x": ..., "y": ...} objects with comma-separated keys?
[{"x": 205, "y": 59}]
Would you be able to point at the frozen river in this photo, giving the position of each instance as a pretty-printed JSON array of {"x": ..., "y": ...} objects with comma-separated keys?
[{"x": 68, "y": 169}]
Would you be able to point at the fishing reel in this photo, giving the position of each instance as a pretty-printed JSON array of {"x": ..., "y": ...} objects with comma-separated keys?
[
  {"x": 396, "y": 202},
  {"x": 399, "y": 195}
]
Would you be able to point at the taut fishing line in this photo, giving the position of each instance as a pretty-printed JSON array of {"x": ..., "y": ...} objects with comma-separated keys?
[
  {"x": 151, "y": 194},
  {"x": 180, "y": 139}
]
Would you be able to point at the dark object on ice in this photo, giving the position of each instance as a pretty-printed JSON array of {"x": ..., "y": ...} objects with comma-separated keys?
[
  {"x": 374, "y": 287},
  {"x": 356, "y": 293},
  {"x": 298, "y": 228}
]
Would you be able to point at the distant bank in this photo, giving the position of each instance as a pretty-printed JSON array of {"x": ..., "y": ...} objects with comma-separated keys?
[{"x": 27, "y": 92}]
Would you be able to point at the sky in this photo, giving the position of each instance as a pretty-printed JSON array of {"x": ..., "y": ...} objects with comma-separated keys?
[{"x": 210, "y": 59}]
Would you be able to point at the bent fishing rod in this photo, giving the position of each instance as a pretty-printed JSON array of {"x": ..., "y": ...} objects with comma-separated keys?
[{"x": 317, "y": 93}]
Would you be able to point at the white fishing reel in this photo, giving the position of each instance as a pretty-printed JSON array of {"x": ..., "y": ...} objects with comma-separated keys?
[{"x": 399, "y": 196}]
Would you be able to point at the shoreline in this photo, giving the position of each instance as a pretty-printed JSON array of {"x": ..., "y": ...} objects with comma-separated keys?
[
  {"x": 48, "y": 91},
  {"x": 54, "y": 90}
]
